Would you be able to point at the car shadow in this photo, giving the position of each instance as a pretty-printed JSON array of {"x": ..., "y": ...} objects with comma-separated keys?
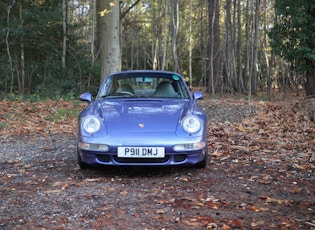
[{"x": 138, "y": 171}]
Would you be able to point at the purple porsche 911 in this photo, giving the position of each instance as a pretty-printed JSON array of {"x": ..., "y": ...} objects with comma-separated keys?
[{"x": 142, "y": 118}]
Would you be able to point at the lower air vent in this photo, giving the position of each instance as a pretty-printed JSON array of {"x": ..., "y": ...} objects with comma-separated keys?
[
  {"x": 141, "y": 160},
  {"x": 103, "y": 158}
]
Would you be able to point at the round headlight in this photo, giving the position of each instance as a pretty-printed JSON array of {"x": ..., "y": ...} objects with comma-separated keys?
[
  {"x": 91, "y": 124},
  {"x": 191, "y": 124}
]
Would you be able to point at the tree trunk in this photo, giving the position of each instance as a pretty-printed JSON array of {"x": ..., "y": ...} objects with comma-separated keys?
[
  {"x": 64, "y": 40},
  {"x": 190, "y": 45},
  {"x": 108, "y": 31},
  {"x": 228, "y": 50},
  {"x": 165, "y": 39},
  {"x": 255, "y": 48},
  {"x": 92, "y": 45},
  {"x": 310, "y": 83},
  {"x": 211, "y": 87},
  {"x": 8, "y": 47},
  {"x": 175, "y": 26},
  {"x": 155, "y": 36},
  {"x": 214, "y": 46},
  {"x": 247, "y": 48},
  {"x": 22, "y": 80},
  {"x": 240, "y": 86},
  {"x": 310, "y": 75}
]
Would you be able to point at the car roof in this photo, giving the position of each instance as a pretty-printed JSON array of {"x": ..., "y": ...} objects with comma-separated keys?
[{"x": 145, "y": 71}]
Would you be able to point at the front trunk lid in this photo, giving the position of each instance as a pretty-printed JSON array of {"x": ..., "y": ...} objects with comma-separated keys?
[{"x": 143, "y": 115}]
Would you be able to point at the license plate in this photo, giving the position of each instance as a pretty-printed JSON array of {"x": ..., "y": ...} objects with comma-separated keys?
[{"x": 141, "y": 152}]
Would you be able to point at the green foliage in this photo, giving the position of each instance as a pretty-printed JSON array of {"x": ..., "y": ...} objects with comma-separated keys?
[
  {"x": 293, "y": 36},
  {"x": 12, "y": 97},
  {"x": 63, "y": 113},
  {"x": 35, "y": 28}
]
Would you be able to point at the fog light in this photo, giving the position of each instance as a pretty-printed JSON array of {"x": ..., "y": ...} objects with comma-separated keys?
[
  {"x": 189, "y": 146},
  {"x": 93, "y": 147}
]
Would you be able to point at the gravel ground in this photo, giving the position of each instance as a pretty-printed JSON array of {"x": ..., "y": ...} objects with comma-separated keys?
[
  {"x": 232, "y": 111},
  {"x": 41, "y": 187}
]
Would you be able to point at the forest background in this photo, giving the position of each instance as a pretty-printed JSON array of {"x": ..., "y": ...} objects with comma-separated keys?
[
  {"x": 55, "y": 49},
  {"x": 261, "y": 154}
]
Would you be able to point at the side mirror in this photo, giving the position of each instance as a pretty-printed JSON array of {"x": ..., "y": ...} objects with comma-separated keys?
[
  {"x": 197, "y": 95},
  {"x": 86, "y": 97}
]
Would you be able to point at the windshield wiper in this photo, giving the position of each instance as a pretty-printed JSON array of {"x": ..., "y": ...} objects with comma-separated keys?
[{"x": 122, "y": 94}]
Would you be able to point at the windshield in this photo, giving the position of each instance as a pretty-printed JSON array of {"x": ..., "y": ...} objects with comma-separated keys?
[{"x": 155, "y": 85}]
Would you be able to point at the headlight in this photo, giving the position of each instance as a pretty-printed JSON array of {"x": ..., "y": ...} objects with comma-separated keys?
[
  {"x": 91, "y": 124},
  {"x": 191, "y": 124}
]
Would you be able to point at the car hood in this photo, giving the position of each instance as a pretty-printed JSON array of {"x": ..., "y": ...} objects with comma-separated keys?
[{"x": 143, "y": 115}]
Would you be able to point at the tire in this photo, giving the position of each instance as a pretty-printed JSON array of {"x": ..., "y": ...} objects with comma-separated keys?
[
  {"x": 82, "y": 164},
  {"x": 202, "y": 164}
]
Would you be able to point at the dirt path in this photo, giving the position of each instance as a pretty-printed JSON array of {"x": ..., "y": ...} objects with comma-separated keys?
[{"x": 251, "y": 182}]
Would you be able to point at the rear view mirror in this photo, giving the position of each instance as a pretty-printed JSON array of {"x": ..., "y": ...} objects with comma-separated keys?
[
  {"x": 197, "y": 95},
  {"x": 86, "y": 97}
]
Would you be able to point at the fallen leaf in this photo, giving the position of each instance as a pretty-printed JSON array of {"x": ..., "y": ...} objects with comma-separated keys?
[
  {"x": 92, "y": 180},
  {"x": 161, "y": 211},
  {"x": 217, "y": 153},
  {"x": 225, "y": 227},
  {"x": 53, "y": 191},
  {"x": 123, "y": 193},
  {"x": 241, "y": 128},
  {"x": 258, "y": 223}
]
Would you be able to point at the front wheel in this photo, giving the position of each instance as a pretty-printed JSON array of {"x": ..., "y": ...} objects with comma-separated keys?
[
  {"x": 202, "y": 164},
  {"x": 82, "y": 164}
]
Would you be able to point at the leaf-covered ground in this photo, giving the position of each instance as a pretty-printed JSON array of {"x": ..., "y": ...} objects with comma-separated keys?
[{"x": 260, "y": 173}]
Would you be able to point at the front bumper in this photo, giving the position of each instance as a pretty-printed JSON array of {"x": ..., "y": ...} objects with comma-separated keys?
[{"x": 109, "y": 157}]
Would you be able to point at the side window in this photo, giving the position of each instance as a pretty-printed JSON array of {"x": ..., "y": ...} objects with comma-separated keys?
[
  {"x": 180, "y": 89},
  {"x": 106, "y": 88}
]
